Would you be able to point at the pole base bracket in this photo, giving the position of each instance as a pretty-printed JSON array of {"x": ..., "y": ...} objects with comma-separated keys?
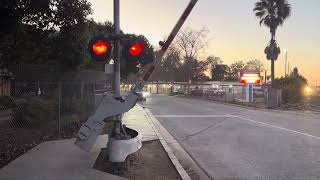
[{"x": 118, "y": 150}]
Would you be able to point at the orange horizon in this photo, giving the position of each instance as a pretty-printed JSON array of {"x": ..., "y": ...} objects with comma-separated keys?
[{"x": 234, "y": 36}]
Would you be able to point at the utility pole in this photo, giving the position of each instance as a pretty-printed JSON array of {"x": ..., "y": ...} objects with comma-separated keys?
[
  {"x": 272, "y": 73},
  {"x": 117, "y": 56},
  {"x": 265, "y": 76},
  {"x": 286, "y": 61}
]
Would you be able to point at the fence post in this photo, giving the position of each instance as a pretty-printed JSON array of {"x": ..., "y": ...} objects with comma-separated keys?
[
  {"x": 225, "y": 94},
  {"x": 81, "y": 91},
  {"x": 59, "y": 108},
  {"x": 157, "y": 87}
]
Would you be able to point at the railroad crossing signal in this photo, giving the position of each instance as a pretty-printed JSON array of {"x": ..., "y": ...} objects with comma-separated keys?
[
  {"x": 136, "y": 49},
  {"x": 100, "y": 48},
  {"x": 113, "y": 106}
]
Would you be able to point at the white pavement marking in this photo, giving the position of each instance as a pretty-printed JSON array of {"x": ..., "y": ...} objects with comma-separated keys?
[
  {"x": 278, "y": 127},
  {"x": 191, "y": 116}
]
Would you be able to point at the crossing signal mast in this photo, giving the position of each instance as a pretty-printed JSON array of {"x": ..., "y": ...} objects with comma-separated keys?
[{"x": 123, "y": 141}]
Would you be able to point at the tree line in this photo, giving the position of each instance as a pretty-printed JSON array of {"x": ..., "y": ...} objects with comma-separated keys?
[
  {"x": 53, "y": 33},
  {"x": 57, "y": 32},
  {"x": 184, "y": 61}
]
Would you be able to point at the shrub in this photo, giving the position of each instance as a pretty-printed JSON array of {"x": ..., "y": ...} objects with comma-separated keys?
[
  {"x": 292, "y": 87},
  {"x": 80, "y": 106},
  {"x": 7, "y": 102},
  {"x": 34, "y": 111},
  {"x": 19, "y": 111},
  {"x": 40, "y": 111}
]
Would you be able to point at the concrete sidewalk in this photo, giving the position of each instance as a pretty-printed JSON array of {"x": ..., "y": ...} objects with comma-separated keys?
[
  {"x": 138, "y": 120},
  {"x": 62, "y": 160},
  {"x": 55, "y": 160}
]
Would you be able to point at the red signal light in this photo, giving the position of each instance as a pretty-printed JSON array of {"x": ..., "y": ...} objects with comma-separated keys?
[
  {"x": 100, "y": 48},
  {"x": 136, "y": 49}
]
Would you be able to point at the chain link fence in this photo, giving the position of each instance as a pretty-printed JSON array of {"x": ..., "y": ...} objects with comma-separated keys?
[
  {"x": 232, "y": 93},
  {"x": 33, "y": 112}
]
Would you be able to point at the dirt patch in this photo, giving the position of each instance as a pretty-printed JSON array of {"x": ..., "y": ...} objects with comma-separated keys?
[
  {"x": 14, "y": 142},
  {"x": 150, "y": 162}
]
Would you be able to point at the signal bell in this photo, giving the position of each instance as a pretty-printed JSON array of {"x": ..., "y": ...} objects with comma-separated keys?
[{"x": 100, "y": 48}]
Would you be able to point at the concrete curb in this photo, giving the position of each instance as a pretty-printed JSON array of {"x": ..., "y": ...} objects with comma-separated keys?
[
  {"x": 183, "y": 174},
  {"x": 184, "y": 158},
  {"x": 254, "y": 108}
]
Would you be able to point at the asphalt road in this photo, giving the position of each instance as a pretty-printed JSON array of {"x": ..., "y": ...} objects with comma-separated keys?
[{"x": 231, "y": 142}]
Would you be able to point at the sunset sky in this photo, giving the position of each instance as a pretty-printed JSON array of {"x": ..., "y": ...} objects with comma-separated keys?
[{"x": 235, "y": 33}]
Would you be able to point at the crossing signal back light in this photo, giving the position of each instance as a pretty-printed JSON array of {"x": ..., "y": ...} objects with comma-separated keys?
[{"x": 136, "y": 49}]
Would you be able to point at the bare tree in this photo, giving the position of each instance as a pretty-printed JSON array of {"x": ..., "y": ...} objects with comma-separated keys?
[
  {"x": 181, "y": 62},
  {"x": 191, "y": 43},
  {"x": 234, "y": 71},
  {"x": 213, "y": 60},
  {"x": 254, "y": 65},
  {"x": 171, "y": 65}
]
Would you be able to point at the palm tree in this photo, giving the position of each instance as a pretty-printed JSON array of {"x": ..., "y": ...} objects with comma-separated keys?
[{"x": 272, "y": 14}]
